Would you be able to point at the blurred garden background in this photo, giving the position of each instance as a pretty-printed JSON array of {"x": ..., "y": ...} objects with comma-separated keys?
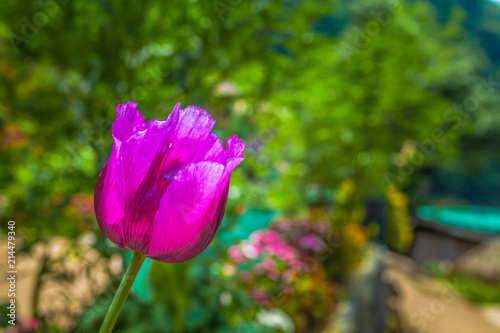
[{"x": 368, "y": 198}]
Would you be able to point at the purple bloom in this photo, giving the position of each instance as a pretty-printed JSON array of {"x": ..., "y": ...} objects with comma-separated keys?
[
  {"x": 164, "y": 188},
  {"x": 311, "y": 242}
]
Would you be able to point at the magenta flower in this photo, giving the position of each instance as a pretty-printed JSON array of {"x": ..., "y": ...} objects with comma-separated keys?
[
  {"x": 311, "y": 242},
  {"x": 164, "y": 188}
]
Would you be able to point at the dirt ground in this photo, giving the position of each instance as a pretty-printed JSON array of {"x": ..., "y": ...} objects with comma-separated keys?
[
  {"x": 426, "y": 305},
  {"x": 75, "y": 275}
]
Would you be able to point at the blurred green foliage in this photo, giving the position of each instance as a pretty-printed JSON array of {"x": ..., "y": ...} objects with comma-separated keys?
[
  {"x": 399, "y": 230},
  {"x": 349, "y": 237},
  {"x": 473, "y": 289},
  {"x": 315, "y": 107},
  {"x": 136, "y": 316},
  {"x": 328, "y": 95}
]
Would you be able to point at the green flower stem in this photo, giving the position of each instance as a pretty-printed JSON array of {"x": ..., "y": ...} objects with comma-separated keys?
[{"x": 122, "y": 293}]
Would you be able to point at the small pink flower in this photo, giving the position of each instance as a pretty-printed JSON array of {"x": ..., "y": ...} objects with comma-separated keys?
[
  {"x": 323, "y": 228},
  {"x": 272, "y": 271},
  {"x": 32, "y": 324},
  {"x": 289, "y": 255},
  {"x": 235, "y": 254},
  {"x": 251, "y": 250},
  {"x": 311, "y": 242},
  {"x": 259, "y": 295}
]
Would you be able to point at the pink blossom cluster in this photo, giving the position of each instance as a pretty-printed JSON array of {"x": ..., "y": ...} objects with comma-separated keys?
[
  {"x": 271, "y": 248},
  {"x": 279, "y": 253},
  {"x": 305, "y": 235}
]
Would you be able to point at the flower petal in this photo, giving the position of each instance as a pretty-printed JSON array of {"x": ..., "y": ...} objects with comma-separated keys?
[
  {"x": 187, "y": 140},
  {"x": 150, "y": 161},
  {"x": 142, "y": 202},
  {"x": 139, "y": 152},
  {"x": 235, "y": 156},
  {"x": 128, "y": 122},
  {"x": 182, "y": 137},
  {"x": 109, "y": 215},
  {"x": 213, "y": 150},
  {"x": 190, "y": 213}
]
